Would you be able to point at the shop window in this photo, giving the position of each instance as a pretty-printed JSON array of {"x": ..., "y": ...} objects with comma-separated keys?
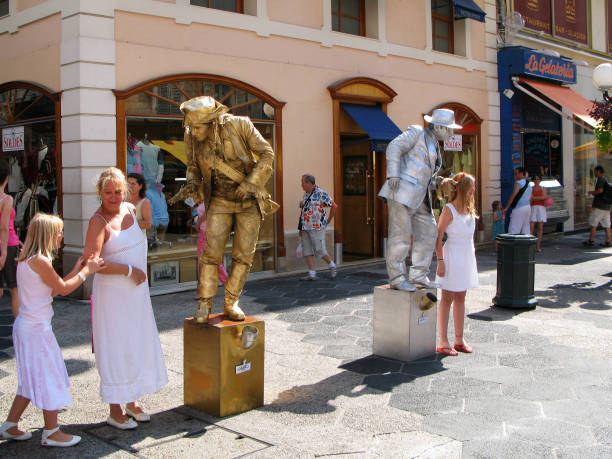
[
  {"x": 27, "y": 119},
  {"x": 4, "y": 7},
  {"x": 155, "y": 148},
  {"x": 442, "y": 25}
]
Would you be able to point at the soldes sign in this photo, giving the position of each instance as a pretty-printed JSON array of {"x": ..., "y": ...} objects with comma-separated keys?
[{"x": 12, "y": 139}]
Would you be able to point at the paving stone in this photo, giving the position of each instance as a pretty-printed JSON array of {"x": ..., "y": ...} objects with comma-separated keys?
[
  {"x": 462, "y": 426},
  {"x": 490, "y": 327},
  {"x": 507, "y": 449},
  {"x": 528, "y": 361},
  {"x": 344, "y": 320},
  {"x": 479, "y": 337},
  {"x": 550, "y": 432},
  {"x": 581, "y": 452},
  {"x": 426, "y": 403},
  {"x": 389, "y": 382},
  {"x": 538, "y": 391},
  {"x": 498, "y": 348},
  {"x": 464, "y": 386},
  {"x": 583, "y": 412},
  {"x": 366, "y": 313},
  {"x": 372, "y": 365},
  {"x": 603, "y": 435},
  {"x": 502, "y": 408},
  {"x": 344, "y": 352},
  {"x": 358, "y": 331},
  {"x": 429, "y": 368},
  {"x": 501, "y": 374},
  {"x": 365, "y": 343},
  {"x": 380, "y": 420},
  {"x": 523, "y": 339},
  {"x": 474, "y": 360},
  {"x": 329, "y": 338},
  {"x": 298, "y": 317},
  {"x": 313, "y": 328},
  {"x": 568, "y": 377},
  {"x": 599, "y": 394},
  {"x": 334, "y": 309}
]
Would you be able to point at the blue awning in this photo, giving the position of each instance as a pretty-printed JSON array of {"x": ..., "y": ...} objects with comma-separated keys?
[
  {"x": 468, "y": 9},
  {"x": 379, "y": 127}
]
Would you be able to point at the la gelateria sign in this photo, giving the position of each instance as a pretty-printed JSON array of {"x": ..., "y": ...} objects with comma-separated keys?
[{"x": 540, "y": 65}]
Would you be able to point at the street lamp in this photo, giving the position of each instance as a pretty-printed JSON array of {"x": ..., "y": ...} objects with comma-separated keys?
[{"x": 602, "y": 79}]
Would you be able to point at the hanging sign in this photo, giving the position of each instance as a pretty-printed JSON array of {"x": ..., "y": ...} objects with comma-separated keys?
[
  {"x": 12, "y": 139},
  {"x": 455, "y": 143}
]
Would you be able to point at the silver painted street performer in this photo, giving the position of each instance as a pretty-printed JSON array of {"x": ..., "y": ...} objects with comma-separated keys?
[
  {"x": 413, "y": 160},
  {"x": 228, "y": 165}
]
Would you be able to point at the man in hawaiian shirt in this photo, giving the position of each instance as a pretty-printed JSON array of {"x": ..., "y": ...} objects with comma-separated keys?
[{"x": 313, "y": 222}]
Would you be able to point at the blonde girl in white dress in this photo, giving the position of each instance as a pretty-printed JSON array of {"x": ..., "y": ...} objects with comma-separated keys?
[
  {"x": 41, "y": 372},
  {"x": 127, "y": 348},
  {"x": 457, "y": 269}
]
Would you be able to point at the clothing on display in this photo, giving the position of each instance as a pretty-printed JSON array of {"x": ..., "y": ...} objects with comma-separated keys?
[
  {"x": 15, "y": 181},
  {"x": 134, "y": 160}
]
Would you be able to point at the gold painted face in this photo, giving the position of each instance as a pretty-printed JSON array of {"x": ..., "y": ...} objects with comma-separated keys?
[{"x": 200, "y": 131}]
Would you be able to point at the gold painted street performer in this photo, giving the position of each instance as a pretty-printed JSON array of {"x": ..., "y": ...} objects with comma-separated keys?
[{"x": 228, "y": 165}]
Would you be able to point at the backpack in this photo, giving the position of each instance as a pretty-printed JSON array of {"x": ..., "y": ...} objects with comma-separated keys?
[{"x": 606, "y": 196}]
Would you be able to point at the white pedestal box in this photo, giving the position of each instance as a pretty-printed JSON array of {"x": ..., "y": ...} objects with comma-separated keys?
[{"x": 403, "y": 331}]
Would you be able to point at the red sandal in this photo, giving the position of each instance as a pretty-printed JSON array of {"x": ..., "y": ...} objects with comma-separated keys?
[
  {"x": 447, "y": 351},
  {"x": 464, "y": 348}
]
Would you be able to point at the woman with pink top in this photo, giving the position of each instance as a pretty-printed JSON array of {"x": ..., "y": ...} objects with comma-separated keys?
[
  {"x": 9, "y": 242},
  {"x": 201, "y": 228}
]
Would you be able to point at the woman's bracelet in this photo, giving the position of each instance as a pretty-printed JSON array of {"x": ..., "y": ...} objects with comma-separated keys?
[
  {"x": 129, "y": 271},
  {"x": 82, "y": 276}
]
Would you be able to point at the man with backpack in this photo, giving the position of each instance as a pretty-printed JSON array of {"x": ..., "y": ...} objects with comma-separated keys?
[
  {"x": 600, "y": 209},
  {"x": 519, "y": 203}
]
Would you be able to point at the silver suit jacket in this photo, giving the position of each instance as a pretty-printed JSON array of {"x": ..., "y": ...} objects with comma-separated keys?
[{"x": 410, "y": 157}]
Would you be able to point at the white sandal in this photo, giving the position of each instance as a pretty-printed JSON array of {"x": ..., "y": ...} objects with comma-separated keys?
[
  {"x": 9, "y": 436},
  {"x": 140, "y": 417},
  {"x": 126, "y": 425},
  {"x": 46, "y": 441}
]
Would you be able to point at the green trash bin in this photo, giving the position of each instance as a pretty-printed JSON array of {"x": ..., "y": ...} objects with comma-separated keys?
[{"x": 515, "y": 271}]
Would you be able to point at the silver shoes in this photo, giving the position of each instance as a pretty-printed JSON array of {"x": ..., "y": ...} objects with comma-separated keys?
[
  {"x": 404, "y": 285},
  {"x": 46, "y": 441},
  {"x": 425, "y": 282}
]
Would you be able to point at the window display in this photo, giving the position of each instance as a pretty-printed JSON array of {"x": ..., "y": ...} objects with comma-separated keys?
[
  {"x": 27, "y": 118},
  {"x": 155, "y": 148}
]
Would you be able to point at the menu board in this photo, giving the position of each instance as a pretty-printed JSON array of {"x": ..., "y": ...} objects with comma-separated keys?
[
  {"x": 571, "y": 20},
  {"x": 537, "y": 153}
]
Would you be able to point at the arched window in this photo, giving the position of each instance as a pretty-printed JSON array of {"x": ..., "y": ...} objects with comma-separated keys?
[{"x": 150, "y": 142}]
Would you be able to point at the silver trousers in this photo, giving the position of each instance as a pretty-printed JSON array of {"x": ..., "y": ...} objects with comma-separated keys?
[{"x": 403, "y": 223}]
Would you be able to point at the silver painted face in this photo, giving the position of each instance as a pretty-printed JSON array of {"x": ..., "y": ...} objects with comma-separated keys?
[{"x": 442, "y": 133}]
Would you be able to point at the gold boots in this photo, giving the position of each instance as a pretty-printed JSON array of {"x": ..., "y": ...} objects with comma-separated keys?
[
  {"x": 204, "y": 307},
  {"x": 231, "y": 310}
]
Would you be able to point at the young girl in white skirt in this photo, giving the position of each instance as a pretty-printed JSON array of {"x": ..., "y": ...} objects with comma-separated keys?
[
  {"x": 41, "y": 372},
  {"x": 457, "y": 269}
]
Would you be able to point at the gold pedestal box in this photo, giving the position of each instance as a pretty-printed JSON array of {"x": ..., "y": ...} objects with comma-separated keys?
[{"x": 222, "y": 377}]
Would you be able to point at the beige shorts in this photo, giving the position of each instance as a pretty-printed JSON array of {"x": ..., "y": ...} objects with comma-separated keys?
[
  {"x": 601, "y": 217},
  {"x": 313, "y": 243}
]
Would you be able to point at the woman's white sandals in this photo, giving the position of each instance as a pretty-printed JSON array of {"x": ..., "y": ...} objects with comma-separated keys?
[
  {"x": 9, "y": 436},
  {"x": 127, "y": 425},
  {"x": 140, "y": 417},
  {"x": 46, "y": 441}
]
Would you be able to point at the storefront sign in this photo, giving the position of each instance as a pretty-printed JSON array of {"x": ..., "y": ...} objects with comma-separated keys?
[
  {"x": 455, "y": 143},
  {"x": 536, "y": 13},
  {"x": 554, "y": 68},
  {"x": 571, "y": 20},
  {"x": 12, "y": 139}
]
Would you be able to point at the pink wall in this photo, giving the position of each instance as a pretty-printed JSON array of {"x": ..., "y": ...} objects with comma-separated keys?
[
  {"x": 25, "y": 4},
  {"x": 33, "y": 53},
  {"x": 406, "y": 23},
  {"x": 299, "y": 12}
]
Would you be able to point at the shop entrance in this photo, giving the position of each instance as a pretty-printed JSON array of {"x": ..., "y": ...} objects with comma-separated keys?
[{"x": 359, "y": 199}]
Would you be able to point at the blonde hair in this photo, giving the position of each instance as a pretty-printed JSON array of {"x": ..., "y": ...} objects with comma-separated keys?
[
  {"x": 114, "y": 175},
  {"x": 458, "y": 186},
  {"x": 40, "y": 240}
]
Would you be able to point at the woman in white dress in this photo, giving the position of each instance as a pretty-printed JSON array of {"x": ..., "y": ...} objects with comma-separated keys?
[
  {"x": 457, "y": 269},
  {"x": 127, "y": 348}
]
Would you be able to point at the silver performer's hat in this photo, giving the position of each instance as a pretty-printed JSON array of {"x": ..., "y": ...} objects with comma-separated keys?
[{"x": 443, "y": 117}]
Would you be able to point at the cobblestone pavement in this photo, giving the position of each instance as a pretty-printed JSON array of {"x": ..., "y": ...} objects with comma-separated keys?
[{"x": 537, "y": 385}]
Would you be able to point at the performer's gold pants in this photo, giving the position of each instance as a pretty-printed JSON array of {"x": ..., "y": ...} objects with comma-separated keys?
[{"x": 221, "y": 217}]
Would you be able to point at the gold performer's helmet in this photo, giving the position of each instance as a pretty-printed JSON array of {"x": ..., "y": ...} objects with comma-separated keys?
[{"x": 202, "y": 110}]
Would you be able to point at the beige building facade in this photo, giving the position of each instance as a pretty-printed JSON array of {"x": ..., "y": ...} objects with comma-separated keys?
[{"x": 88, "y": 84}]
